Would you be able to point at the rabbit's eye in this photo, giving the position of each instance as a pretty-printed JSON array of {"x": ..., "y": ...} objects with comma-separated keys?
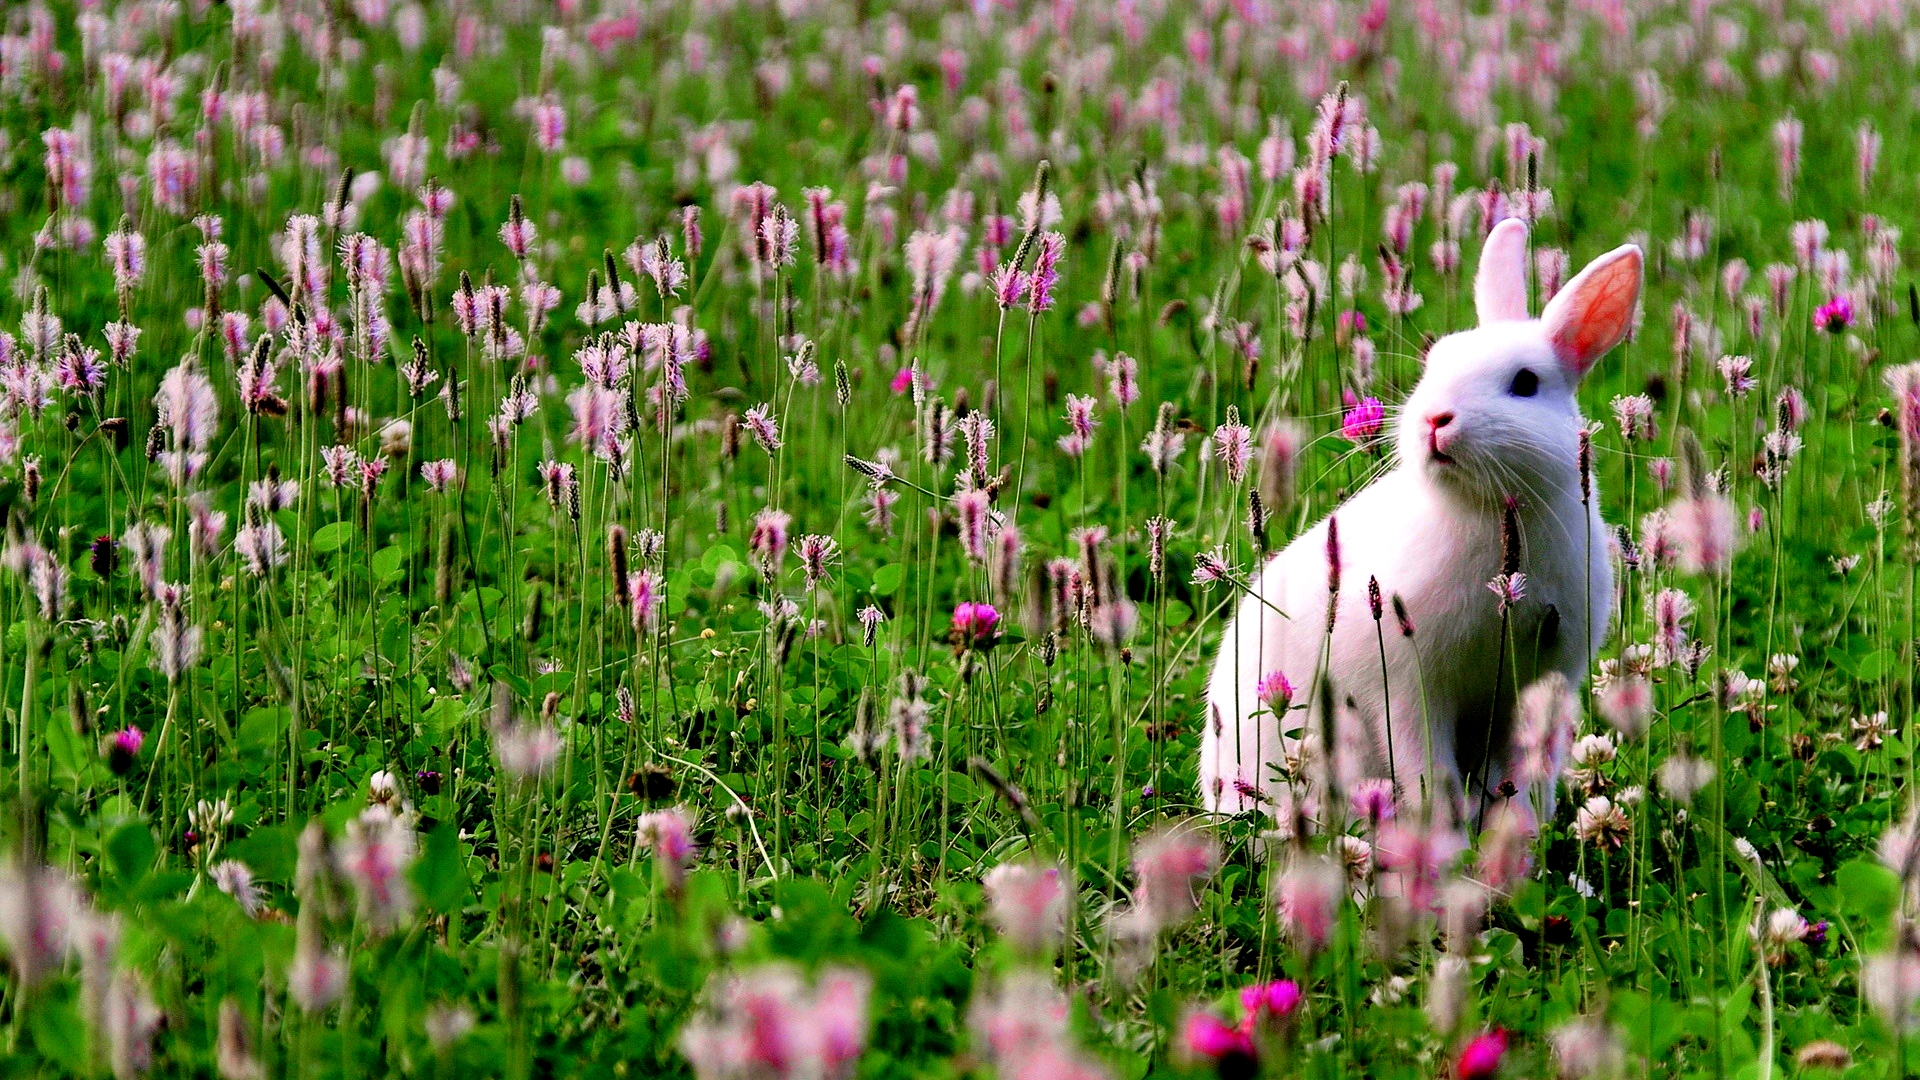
[{"x": 1525, "y": 383}]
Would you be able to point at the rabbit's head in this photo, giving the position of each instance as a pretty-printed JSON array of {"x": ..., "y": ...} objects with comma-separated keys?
[{"x": 1496, "y": 412}]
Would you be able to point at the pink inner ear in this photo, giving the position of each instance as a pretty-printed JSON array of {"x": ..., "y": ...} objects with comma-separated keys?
[{"x": 1598, "y": 314}]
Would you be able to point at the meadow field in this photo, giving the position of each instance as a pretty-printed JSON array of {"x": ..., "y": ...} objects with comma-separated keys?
[{"x": 643, "y": 538}]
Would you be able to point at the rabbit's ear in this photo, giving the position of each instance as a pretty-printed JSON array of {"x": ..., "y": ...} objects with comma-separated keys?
[
  {"x": 1594, "y": 311},
  {"x": 1500, "y": 288}
]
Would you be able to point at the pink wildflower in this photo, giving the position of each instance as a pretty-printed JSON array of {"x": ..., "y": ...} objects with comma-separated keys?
[
  {"x": 1027, "y": 902},
  {"x": 1363, "y": 420},
  {"x": 975, "y": 622},
  {"x": 669, "y": 835},
  {"x": 1480, "y": 1060}
]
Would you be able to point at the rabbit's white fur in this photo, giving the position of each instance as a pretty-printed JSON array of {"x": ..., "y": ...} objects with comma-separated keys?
[{"x": 1430, "y": 532}]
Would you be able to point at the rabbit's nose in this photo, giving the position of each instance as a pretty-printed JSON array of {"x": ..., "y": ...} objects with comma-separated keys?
[{"x": 1439, "y": 420}]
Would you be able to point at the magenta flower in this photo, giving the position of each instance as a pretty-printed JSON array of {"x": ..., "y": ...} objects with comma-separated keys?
[
  {"x": 1481, "y": 1058},
  {"x": 1213, "y": 1039},
  {"x": 1261, "y": 1001},
  {"x": 975, "y": 622},
  {"x": 123, "y": 747},
  {"x": 1274, "y": 691},
  {"x": 902, "y": 380},
  {"x": 1363, "y": 420},
  {"x": 1835, "y": 316}
]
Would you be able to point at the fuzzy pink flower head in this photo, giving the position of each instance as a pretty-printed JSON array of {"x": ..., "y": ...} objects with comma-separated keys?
[
  {"x": 1081, "y": 422},
  {"x": 1705, "y": 532},
  {"x": 645, "y": 591},
  {"x": 1027, "y": 902},
  {"x": 768, "y": 541},
  {"x": 1506, "y": 845},
  {"x": 1233, "y": 445},
  {"x": 1307, "y": 899},
  {"x": 1210, "y": 1038},
  {"x": 1046, "y": 272},
  {"x": 1171, "y": 866},
  {"x": 1480, "y": 1060},
  {"x": 1627, "y": 704},
  {"x": 1508, "y": 589},
  {"x": 768, "y": 1022},
  {"x": 1275, "y": 692},
  {"x": 1417, "y": 856},
  {"x": 902, "y": 381},
  {"x": 1372, "y": 800},
  {"x": 374, "y": 856},
  {"x": 317, "y": 977},
  {"x": 669, "y": 834},
  {"x": 1363, "y": 420},
  {"x": 439, "y": 474},
  {"x": 975, "y": 622}
]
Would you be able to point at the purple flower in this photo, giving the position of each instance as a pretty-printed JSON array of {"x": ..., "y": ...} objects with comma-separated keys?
[
  {"x": 1835, "y": 316},
  {"x": 817, "y": 554},
  {"x": 1081, "y": 422},
  {"x": 1508, "y": 589},
  {"x": 1028, "y": 902}
]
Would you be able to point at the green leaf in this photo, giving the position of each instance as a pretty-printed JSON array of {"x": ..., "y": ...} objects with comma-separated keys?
[
  {"x": 717, "y": 556},
  {"x": 332, "y": 537},
  {"x": 269, "y": 852},
  {"x": 390, "y": 563},
  {"x": 130, "y": 850},
  {"x": 1874, "y": 665},
  {"x": 887, "y": 579},
  {"x": 69, "y": 754},
  {"x": 261, "y": 728},
  {"x": 1178, "y": 613},
  {"x": 164, "y": 885},
  {"x": 441, "y": 873},
  {"x": 59, "y": 1033},
  {"x": 1867, "y": 889}
]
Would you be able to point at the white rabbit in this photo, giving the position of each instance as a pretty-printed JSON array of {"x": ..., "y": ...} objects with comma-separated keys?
[{"x": 1494, "y": 416}]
